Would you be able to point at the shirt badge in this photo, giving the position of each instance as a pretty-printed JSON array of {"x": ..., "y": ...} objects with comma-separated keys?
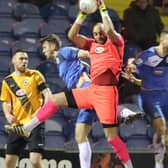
[{"x": 99, "y": 50}]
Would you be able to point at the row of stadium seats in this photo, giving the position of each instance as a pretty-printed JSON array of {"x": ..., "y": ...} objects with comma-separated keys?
[{"x": 59, "y": 133}]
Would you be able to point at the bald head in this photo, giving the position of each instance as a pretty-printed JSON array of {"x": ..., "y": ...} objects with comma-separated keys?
[{"x": 99, "y": 33}]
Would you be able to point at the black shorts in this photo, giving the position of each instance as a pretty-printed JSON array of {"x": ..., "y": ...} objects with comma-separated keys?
[{"x": 16, "y": 144}]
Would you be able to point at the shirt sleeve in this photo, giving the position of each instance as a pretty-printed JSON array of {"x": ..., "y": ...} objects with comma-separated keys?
[
  {"x": 39, "y": 78},
  {"x": 5, "y": 94},
  {"x": 69, "y": 53},
  {"x": 88, "y": 43}
]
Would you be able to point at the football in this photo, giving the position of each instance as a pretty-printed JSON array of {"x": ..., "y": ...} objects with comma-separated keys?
[{"x": 88, "y": 6}]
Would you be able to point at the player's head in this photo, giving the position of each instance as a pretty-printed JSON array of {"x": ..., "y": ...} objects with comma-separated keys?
[
  {"x": 50, "y": 44},
  {"x": 20, "y": 60},
  {"x": 164, "y": 41},
  {"x": 99, "y": 33}
]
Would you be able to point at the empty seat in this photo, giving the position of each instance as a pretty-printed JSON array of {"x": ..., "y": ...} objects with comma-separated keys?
[
  {"x": 27, "y": 28},
  {"x": 136, "y": 128},
  {"x": 26, "y": 10},
  {"x": 6, "y": 8},
  {"x": 7, "y": 40},
  {"x": 55, "y": 125},
  {"x": 141, "y": 142},
  {"x": 33, "y": 61},
  {"x": 6, "y": 26},
  {"x": 5, "y": 49},
  {"x": 5, "y": 63},
  {"x": 57, "y": 10},
  {"x": 57, "y": 26},
  {"x": 101, "y": 145},
  {"x": 70, "y": 113},
  {"x": 97, "y": 130},
  {"x": 30, "y": 45},
  {"x": 63, "y": 3},
  {"x": 71, "y": 145},
  {"x": 54, "y": 140}
]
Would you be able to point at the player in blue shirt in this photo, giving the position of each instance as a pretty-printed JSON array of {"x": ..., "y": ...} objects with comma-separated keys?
[{"x": 152, "y": 68}]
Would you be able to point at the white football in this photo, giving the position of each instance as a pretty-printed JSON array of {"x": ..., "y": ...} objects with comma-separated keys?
[{"x": 88, "y": 6}]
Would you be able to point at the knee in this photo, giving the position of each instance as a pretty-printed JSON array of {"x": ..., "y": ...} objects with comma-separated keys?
[
  {"x": 35, "y": 163},
  {"x": 11, "y": 161},
  {"x": 159, "y": 125},
  {"x": 161, "y": 130},
  {"x": 80, "y": 138}
]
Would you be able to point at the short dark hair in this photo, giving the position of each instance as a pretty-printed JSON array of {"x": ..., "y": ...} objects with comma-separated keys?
[
  {"x": 18, "y": 50},
  {"x": 52, "y": 38}
]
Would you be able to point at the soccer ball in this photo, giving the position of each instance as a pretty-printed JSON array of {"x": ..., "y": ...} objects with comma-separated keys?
[{"x": 88, "y": 6}]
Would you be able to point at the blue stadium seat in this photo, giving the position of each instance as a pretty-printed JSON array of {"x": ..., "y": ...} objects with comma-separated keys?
[
  {"x": 54, "y": 140},
  {"x": 101, "y": 145},
  {"x": 7, "y": 40},
  {"x": 6, "y": 8},
  {"x": 63, "y": 3},
  {"x": 71, "y": 145},
  {"x": 5, "y": 49},
  {"x": 30, "y": 45},
  {"x": 52, "y": 10},
  {"x": 51, "y": 125},
  {"x": 57, "y": 26},
  {"x": 34, "y": 61},
  {"x": 136, "y": 128},
  {"x": 72, "y": 12},
  {"x": 97, "y": 130},
  {"x": 27, "y": 28},
  {"x": 57, "y": 11},
  {"x": 70, "y": 113},
  {"x": 26, "y": 10},
  {"x": 6, "y": 26},
  {"x": 141, "y": 142},
  {"x": 5, "y": 63}
]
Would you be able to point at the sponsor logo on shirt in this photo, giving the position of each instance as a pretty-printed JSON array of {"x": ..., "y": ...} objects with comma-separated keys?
[
  {"x": 153, "y": 61},
  {"x": 99, "y": 50},
  {"x": 20, "y": 92}
]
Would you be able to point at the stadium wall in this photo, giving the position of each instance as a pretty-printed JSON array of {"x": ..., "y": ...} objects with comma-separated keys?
[{"x": 60, "y": 159}]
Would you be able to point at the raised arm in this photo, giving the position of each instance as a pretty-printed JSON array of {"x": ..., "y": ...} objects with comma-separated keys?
[
  {"x": 78, "y": 39},
  {"x": 107, "y": 22}
]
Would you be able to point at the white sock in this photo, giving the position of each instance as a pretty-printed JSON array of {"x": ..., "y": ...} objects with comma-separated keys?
[
  {"x": 85, "y": 154},
  {"x": 31, "y": 124},
  {"x": 128, "y": 164},
  {"x": 160, "y": 149}
]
